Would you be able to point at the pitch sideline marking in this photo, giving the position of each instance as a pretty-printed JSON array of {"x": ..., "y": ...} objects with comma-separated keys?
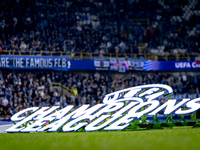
[{"x": 6, "y": 125}]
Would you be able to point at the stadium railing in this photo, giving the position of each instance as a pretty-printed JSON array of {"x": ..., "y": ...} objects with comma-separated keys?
[
  {"x": 60, "y": 85},
  {"x": 86, "y": 55}
]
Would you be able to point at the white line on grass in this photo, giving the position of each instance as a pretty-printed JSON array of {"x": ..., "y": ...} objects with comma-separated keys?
[{"x": 6, "y": 125}]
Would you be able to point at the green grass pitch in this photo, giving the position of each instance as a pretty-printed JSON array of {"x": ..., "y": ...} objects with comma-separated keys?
[{"x": 177, "y": 138}]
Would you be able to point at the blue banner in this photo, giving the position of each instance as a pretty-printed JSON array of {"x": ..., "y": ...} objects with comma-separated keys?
[
  {"x": 61, "y": 62},
  {"x": 34, "y": 62},
  {"x": 81, "y": 65},
  {"x": 170, "y": 65}
]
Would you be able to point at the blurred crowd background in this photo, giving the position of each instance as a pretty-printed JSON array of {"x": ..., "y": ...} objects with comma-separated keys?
[
  {"x": 115, "y": 26},
  {"x": 33, "y": 89},
  {"x": 167, "y": 27}
]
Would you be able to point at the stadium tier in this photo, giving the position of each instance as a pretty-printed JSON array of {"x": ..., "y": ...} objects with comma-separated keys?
[
  {"x": 88, "y": 28},
  {"x": 65, "y": 39},
  {"x": 43, "y": 88}
]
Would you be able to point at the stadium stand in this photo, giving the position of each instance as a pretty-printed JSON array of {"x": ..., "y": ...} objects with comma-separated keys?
[
  {"x": 135, "y": 28},
  {"x": 82, "y": 29},
  {"x": 36, "y": 88}
]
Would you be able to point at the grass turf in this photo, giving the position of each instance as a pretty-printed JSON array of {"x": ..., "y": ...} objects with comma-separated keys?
[{"x": 177, "y": 138}]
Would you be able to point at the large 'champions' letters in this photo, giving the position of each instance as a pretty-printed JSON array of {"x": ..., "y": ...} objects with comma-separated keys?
[{"x": 115, "y": 113}]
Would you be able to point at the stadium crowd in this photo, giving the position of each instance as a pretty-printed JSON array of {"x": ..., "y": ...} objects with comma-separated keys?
[
  {"x": 35, "y": 88},
  {"x": 96, "y": 26}
]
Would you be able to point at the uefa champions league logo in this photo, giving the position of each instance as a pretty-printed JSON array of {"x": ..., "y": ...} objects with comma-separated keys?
[{"x": 120, "y": 107}]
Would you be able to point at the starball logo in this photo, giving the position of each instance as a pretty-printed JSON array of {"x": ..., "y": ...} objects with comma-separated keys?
[{"x": 115, "y": 113}]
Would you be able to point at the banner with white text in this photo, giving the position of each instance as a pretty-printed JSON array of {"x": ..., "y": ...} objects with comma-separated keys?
[
  {"x": 34, "y": 62},
  {"x": 170, "y": 65}
]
